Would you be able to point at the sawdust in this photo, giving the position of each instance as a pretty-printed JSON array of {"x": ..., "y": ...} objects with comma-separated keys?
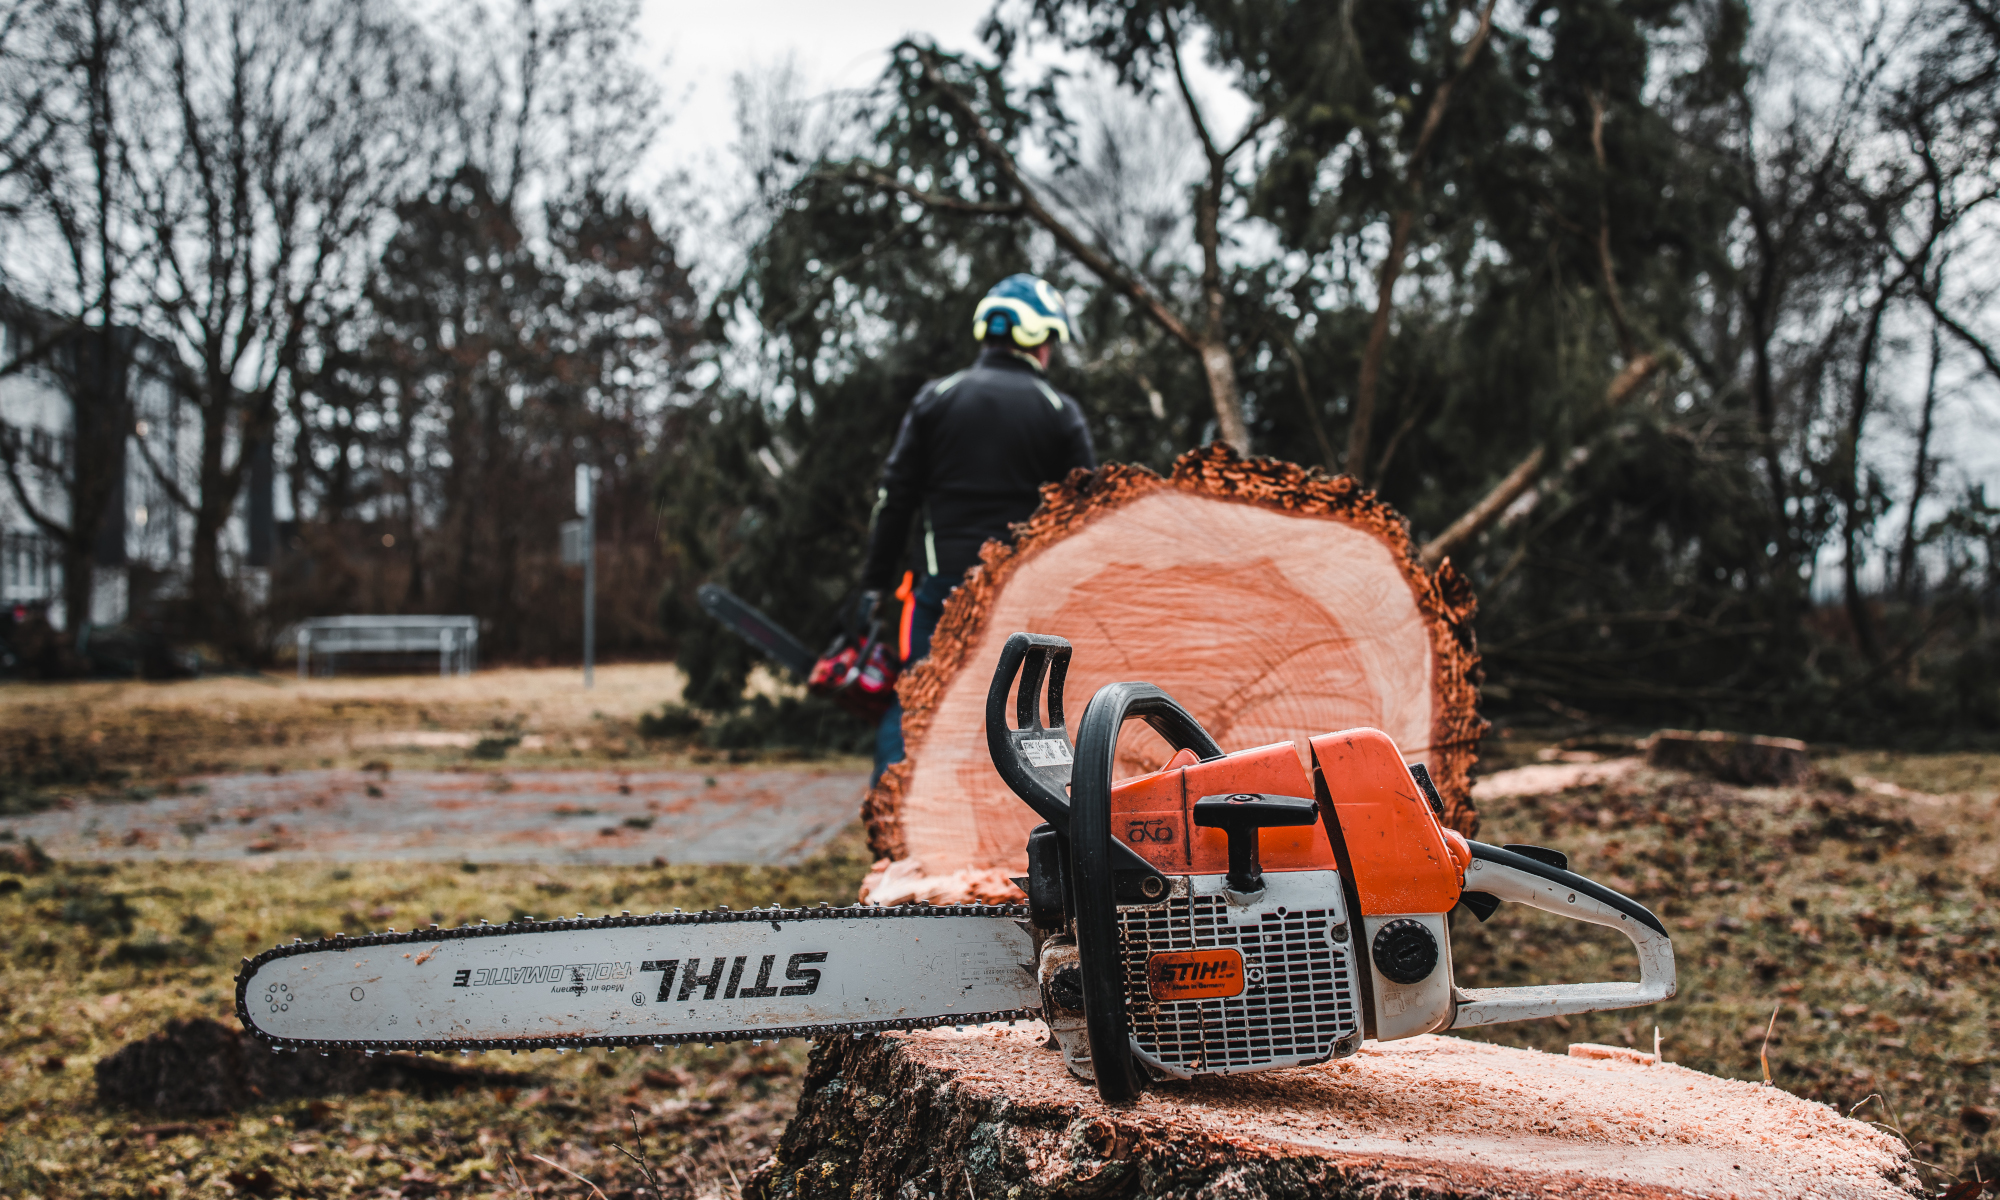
[{"x": 1571, "y": 1125}]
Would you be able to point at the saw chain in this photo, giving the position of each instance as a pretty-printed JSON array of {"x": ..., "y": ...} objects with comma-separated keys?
[{"x": 343, "y": 946}]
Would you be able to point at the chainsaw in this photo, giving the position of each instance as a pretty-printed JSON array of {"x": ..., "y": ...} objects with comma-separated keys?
[
  {"x": 1227, "y": 913},
  {"x": 857, "y": 671}
]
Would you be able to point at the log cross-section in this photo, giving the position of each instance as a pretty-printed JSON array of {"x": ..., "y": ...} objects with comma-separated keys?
[{"x": 1275, "y": 602}]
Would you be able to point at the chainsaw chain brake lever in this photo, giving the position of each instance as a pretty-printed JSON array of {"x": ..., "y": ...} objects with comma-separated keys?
[
  {"x": 1036, "y": 760},
  {"x": 1033, "y": 759},
  {"x": 1505, "y": 874}
]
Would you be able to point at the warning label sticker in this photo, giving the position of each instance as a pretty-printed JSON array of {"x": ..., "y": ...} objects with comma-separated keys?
[{"x": 1047, "y": 752}]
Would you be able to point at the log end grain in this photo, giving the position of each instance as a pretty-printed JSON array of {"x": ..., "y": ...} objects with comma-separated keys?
[
  {"x": 1275, "y": 603},
  {"x": 988, "y": 1113}
]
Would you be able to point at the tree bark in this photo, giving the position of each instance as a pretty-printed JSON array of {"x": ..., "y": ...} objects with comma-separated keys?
[
  {"x": 1274, "y": 602},
  {"x": 991, "y": 1115}
]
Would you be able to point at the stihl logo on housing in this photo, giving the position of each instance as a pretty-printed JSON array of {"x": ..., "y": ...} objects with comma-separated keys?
[
  {"x": 694, "y": 981},
  {"x": 1195, "y": 974}
]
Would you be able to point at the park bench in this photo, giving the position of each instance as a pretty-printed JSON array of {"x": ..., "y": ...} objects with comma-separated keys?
[{"x": 455, "y": 640}]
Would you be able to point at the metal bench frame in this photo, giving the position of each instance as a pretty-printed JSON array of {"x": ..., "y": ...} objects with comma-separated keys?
[{"x": 454, "y": 639}]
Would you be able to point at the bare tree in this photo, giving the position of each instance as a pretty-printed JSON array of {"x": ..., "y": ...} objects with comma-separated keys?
[
  {"x": 66, "y": 166},
  {"x": 262, "y": 176}
]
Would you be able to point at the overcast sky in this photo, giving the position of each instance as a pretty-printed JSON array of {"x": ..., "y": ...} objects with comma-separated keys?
[
  {"x": 699, "y": 45},
  {"x": 836, "y": 45}
]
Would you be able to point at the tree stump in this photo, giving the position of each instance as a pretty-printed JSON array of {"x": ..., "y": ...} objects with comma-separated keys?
[
  {"x": 1275, "y": 603},
  {"x": 1745, "y": 758},
  {"x": 989, "y": 1114}
]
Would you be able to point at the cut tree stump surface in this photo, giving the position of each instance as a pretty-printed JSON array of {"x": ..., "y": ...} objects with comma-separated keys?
[
  {"x": 940, "y": 1112},
  {"x": 1274, "y": 603}
]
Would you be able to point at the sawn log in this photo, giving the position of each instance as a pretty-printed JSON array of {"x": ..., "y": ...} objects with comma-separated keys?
[{"x": 1273, "y": 601}]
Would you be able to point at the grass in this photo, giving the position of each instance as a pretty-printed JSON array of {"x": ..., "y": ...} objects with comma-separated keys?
[
  {"x": 1866, "y": 922},
  {"x": 93, "y": 958}
]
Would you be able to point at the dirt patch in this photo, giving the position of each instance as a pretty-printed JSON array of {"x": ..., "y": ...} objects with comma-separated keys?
[
  {"x": 134, "y": 740},
  {"x": 769, "y": 817},
  {"x": 203, "y": 1068}
]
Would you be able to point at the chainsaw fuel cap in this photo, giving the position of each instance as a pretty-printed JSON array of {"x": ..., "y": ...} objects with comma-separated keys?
[{"x": 1405, "y": 952}]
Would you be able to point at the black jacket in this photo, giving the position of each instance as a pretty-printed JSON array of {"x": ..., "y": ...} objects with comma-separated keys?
[{"x": 972, "y": 452}]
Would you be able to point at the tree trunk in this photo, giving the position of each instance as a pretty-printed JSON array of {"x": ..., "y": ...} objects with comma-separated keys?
[
  {"x": 989, "y": 1114},
  {"x": 207, "y": 587},
  {"x": 1920, "y": 482},
  {"x": 1220, "y": 371},
  {"x": 1849, "y": 466},
  {"x": 1274, "y": 602},
  {"x": 1360, "y": 430}
]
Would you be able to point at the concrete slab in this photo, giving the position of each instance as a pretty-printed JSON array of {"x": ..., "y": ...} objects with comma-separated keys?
[{"x": 762, "y": 817}]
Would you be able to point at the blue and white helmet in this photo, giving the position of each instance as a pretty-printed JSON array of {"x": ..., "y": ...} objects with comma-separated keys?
[{"x": 1024, "y": 308}]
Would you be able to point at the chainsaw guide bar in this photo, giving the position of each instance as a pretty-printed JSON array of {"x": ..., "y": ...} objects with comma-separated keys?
[{"x": 656, "y": 976}]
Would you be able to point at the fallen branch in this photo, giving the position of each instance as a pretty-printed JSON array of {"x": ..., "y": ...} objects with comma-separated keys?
[{"x": 1524, "y": 474}]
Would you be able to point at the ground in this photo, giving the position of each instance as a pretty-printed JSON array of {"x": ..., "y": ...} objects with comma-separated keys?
[
  {"x": 97, "y": 956},
  {"x": 1860, "y": 912},
  {"x": 132, "y": 739},
  {"x": 1853, "y": 919}
]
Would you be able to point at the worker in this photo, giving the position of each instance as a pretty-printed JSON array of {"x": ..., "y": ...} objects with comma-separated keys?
[{"x": 969, "y": 461}]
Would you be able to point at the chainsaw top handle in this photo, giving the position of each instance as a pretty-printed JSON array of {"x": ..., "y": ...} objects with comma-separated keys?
[{"x": 1103, "y": 878}]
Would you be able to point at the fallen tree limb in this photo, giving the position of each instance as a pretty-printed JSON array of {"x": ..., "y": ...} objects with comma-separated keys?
[{"x": 1529, "y": 469}]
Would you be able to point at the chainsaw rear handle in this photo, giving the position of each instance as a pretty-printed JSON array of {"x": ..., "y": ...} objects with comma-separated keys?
[
  {"x": 1505, "y": 875},
  {"x": 1101, "y": 875}
]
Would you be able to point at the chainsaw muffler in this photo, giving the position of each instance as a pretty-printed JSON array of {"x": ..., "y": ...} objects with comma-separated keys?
[{"x": 1240, "y": 912}]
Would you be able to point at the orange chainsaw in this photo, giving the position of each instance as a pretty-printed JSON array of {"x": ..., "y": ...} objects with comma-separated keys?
[{"x": 1224, "y": 914}]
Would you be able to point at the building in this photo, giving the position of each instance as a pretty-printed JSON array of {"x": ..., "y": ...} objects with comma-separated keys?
[{"x": 91, "y": 426}]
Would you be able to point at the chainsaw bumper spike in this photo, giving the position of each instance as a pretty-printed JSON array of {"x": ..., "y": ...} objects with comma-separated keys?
[{"x": 1227, "y": 913}]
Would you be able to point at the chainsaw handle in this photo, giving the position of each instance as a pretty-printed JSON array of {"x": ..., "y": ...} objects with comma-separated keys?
[
  {"x": 1505, "y": 875},
  {"x": 1033, "y": 759},
  {"x": 1098, "y": 859}
]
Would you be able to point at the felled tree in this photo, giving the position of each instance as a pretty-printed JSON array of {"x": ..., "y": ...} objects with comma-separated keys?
[{"x": 1274, "y": 602}]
